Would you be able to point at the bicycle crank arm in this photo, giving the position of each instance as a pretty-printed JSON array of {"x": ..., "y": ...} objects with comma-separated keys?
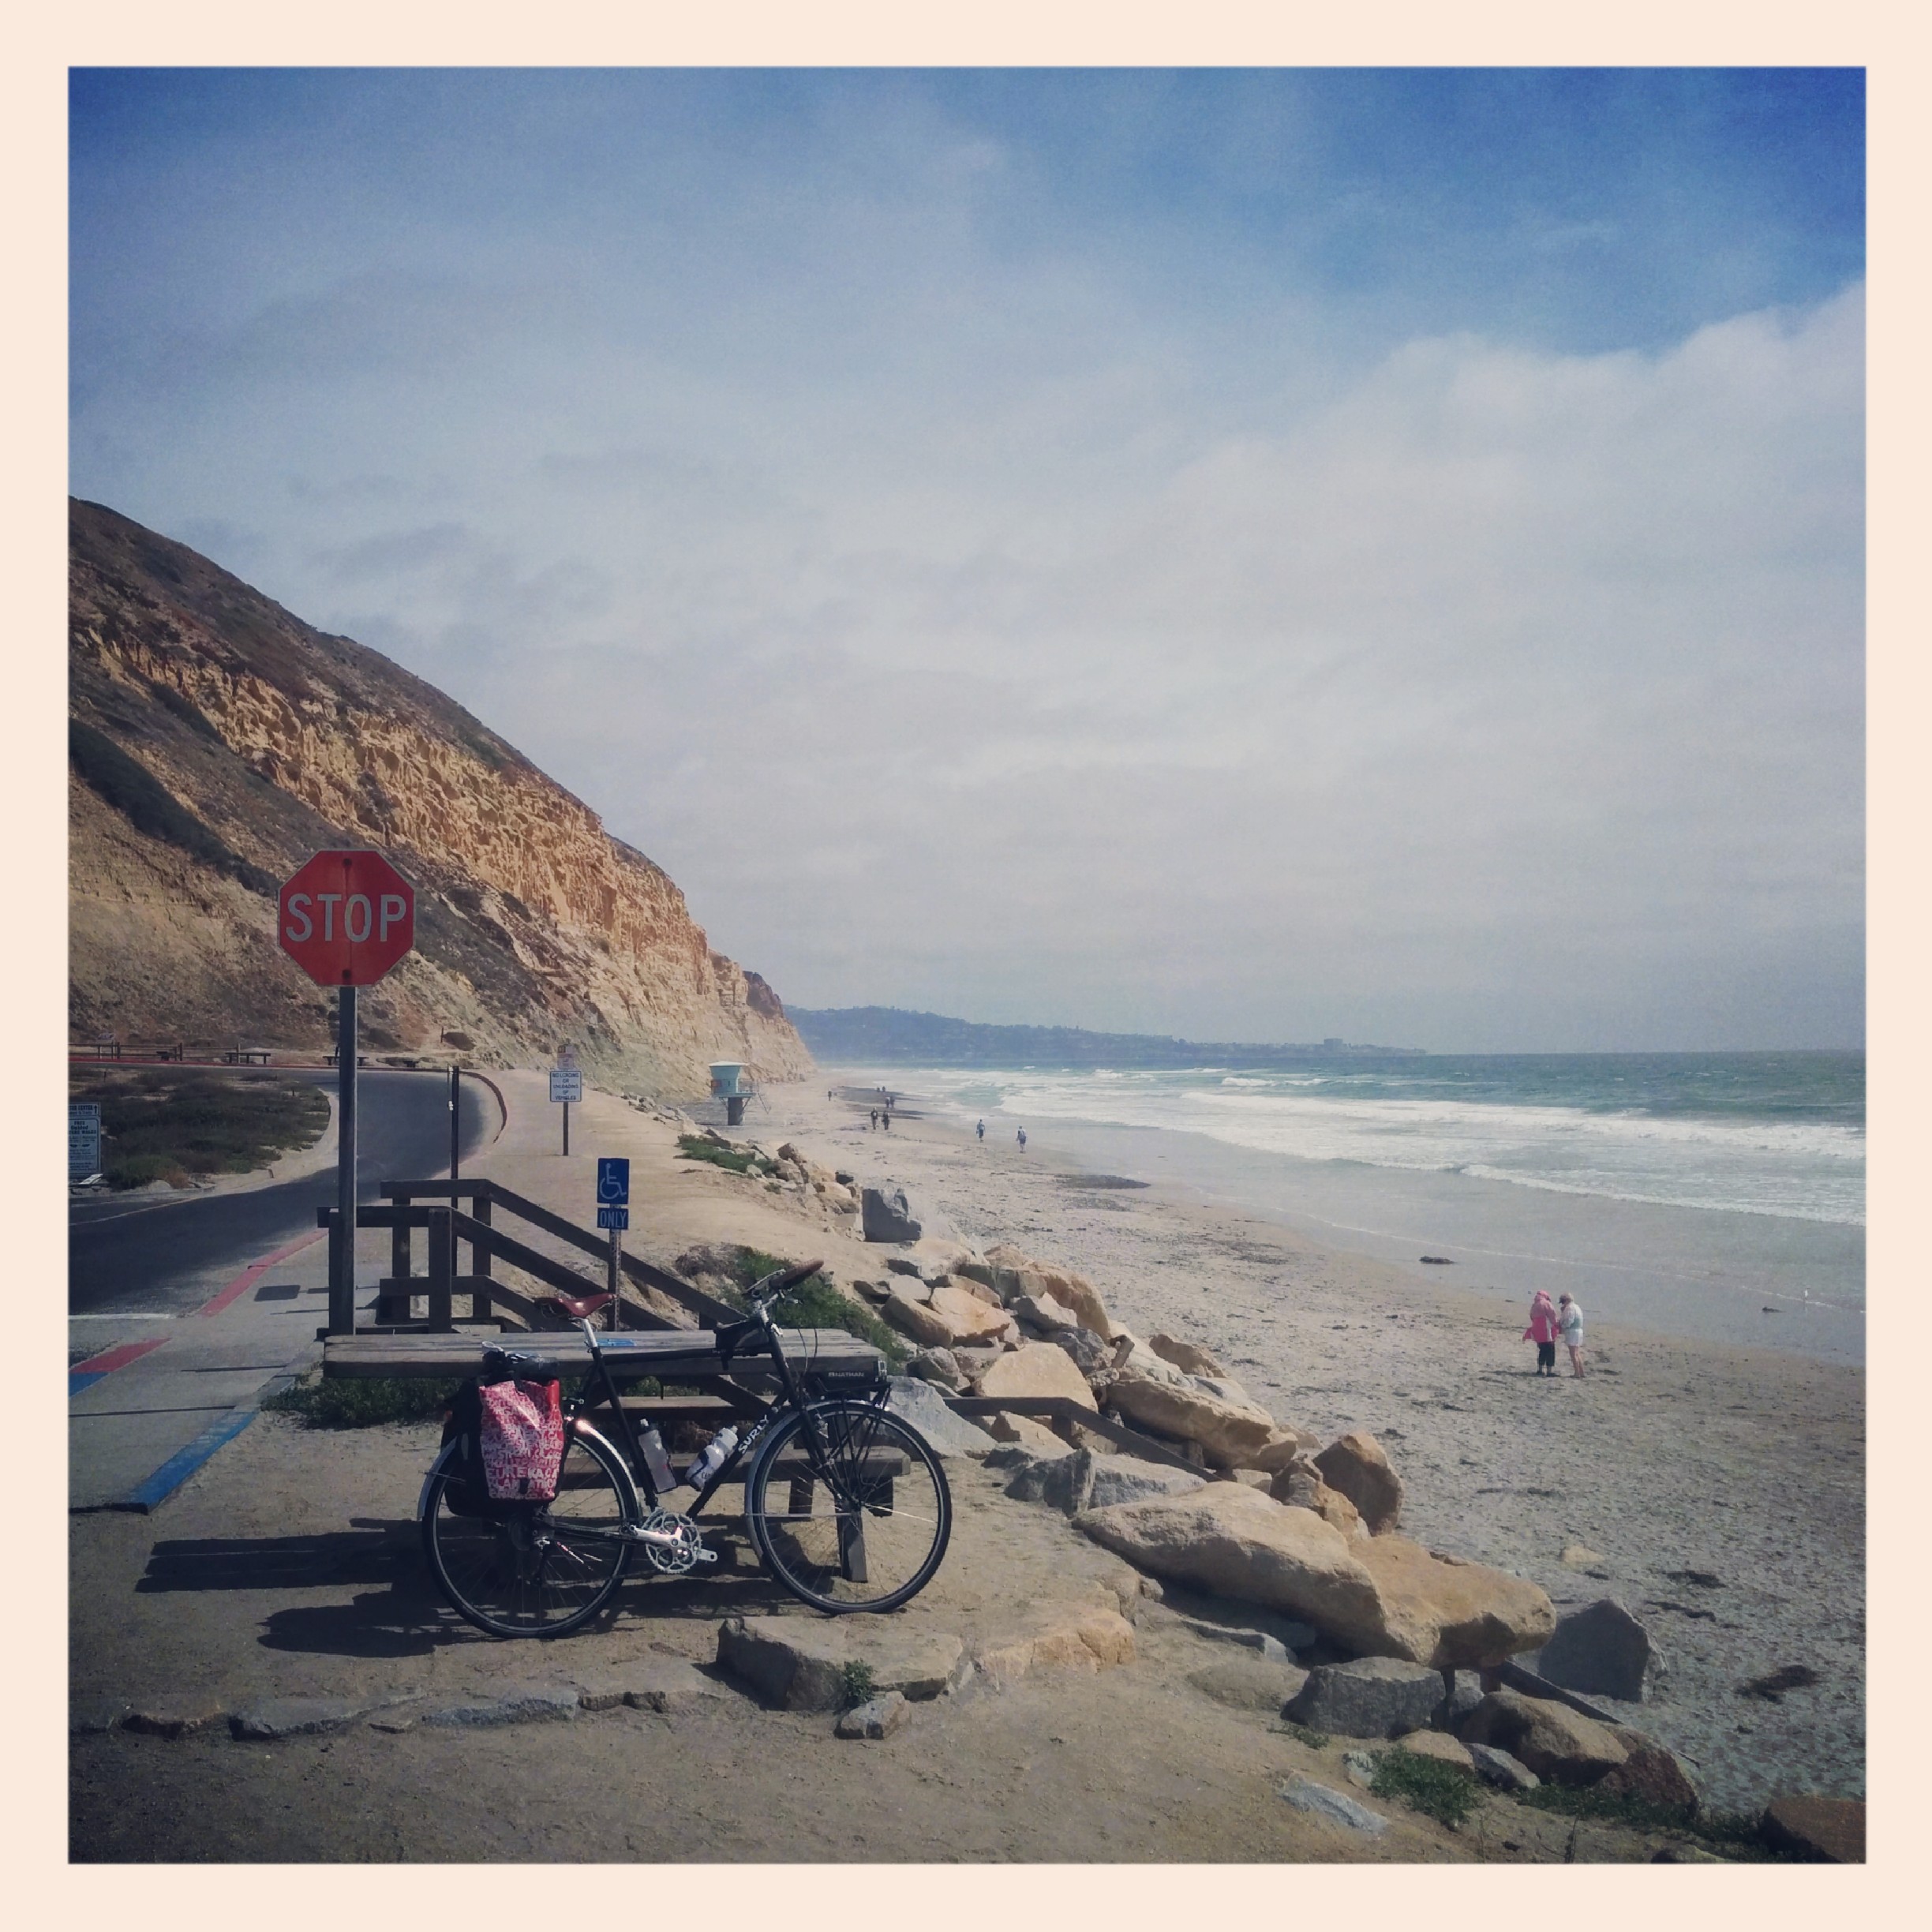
[{"x": 637, "y": 1532}]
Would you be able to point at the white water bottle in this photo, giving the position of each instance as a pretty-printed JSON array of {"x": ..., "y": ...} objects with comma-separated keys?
[
  {"x": 655, "y": 1460},
  {"x": 713, "y": 1460}
]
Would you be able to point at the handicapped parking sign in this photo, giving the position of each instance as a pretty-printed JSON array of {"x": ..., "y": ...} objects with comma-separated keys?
[{"x": 613, "y": 1182}]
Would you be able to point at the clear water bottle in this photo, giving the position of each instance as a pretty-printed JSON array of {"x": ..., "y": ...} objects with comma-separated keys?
[
  {"x": 713, "y": 1460},
  {"x": 655, "y": 1460}
]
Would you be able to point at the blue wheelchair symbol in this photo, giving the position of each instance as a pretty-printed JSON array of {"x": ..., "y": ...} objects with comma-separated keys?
[{"x": 613, "y": 1183}]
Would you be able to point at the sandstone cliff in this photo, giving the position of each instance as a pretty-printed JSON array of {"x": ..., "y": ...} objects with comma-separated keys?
[{"x": 216, "y": 741}]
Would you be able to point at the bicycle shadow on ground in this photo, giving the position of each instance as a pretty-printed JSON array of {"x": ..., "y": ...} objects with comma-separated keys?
[{"x": 402, "y": 1616}]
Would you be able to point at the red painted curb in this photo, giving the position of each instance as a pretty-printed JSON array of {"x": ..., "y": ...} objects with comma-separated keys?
[
  {"x": 253, "y": 1273},
  {"x": 113, "y": 1358}
]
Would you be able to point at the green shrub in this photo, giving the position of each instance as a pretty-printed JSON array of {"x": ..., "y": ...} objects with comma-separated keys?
[
  {"x": 1315, "y": 1740},
  {"x": 694, "y": 1147},
  {"x": 1736, "y": 1831},
  {"x": 814, "y": 1303},
  {"x": 364, "y": 1404},
  {"x": 169, "y": 1127},
  {"x": 1443, "y": 1791},
  {"x": 857, "y": 1685}
]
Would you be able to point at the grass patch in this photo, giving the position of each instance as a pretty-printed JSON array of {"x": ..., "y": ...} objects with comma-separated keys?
[
  {"x": 164, "y": 1127},
  {"x": 814, "y": 1303},
  {"x": 344, "y": 1404},
  {"x": 1302, "y": 1734},
  {"x": 1440, "y": 1791},
  {"x": 737, "y": 1160},
  {"x": 857, "y": 1685},
  {"x": 1734, "y": 1832}
]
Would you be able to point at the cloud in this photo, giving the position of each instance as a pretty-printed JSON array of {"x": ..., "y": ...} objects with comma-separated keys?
[{"x": 978, "y": 609}]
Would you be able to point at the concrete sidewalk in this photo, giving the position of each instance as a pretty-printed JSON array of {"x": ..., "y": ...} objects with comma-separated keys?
[{"x": 152, "y": 1400}]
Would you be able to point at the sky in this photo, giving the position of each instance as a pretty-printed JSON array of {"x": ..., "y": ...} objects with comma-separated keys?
[{"x": 1253, "y": 555}]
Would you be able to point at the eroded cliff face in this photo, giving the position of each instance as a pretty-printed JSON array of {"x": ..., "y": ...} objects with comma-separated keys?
[{"x": 270, "y": 740}]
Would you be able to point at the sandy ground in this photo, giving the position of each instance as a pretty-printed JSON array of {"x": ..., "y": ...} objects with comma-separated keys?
[
  {"x": 288, "y": 1566},
  {"x": 1743, "y": 1464}
]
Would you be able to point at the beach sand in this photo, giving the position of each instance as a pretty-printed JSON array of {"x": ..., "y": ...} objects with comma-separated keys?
[{"x": 1675, "y": 1461}]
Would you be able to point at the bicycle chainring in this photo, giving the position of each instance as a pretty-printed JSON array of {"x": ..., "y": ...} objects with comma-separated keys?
[{"x": 674, "y": 1559}]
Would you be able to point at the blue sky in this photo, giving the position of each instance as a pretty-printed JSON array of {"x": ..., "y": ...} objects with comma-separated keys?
[{"x": 1258, "y": 555}]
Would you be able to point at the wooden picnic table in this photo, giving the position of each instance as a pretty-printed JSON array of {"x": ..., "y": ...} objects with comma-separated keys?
[
  {"x": 671, "y": 1354},
  {"x": 247, "y": 1056}
]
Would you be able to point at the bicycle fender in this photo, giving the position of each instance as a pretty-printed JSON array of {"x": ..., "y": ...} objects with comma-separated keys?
[{"x": 435, "y": 1469}]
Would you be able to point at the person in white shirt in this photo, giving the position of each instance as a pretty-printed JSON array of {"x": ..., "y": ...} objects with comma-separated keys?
[{"x": 1569, "y": 1321}]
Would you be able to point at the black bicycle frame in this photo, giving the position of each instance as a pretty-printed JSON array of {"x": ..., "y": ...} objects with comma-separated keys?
[{"x": 793, "y": 1396}]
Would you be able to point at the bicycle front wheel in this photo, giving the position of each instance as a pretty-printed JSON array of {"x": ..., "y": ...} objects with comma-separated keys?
[
  {"x": 849, "y": 1508},
  {"x": 533, "y": 1569}
]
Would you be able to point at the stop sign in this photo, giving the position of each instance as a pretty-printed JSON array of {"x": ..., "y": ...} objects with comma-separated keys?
[{"x": 346, "y": 917}]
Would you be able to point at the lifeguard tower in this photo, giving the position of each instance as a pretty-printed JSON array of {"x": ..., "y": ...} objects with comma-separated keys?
[{"x": 730, "y": 1082}]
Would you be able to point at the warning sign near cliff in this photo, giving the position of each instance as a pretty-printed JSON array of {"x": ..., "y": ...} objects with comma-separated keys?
[{"x": 346, "y": 917}]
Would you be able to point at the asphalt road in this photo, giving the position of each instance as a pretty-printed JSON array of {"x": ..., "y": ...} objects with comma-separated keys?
[{"x": 160, "y": 1255}]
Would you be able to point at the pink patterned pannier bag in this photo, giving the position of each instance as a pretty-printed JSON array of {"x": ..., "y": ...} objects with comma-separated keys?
[{"x": 522, "y": 1437}]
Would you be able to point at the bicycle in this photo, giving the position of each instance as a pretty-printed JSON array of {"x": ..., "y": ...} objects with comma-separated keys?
[{"x": 866, "y": 1516}]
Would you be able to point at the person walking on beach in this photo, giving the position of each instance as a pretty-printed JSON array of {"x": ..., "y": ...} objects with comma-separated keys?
[
  {"x": 1569, "y": 1319},
  {"x": 873, "y": 1117},
  {"x": 980, "y": 1130},
  {"x": 1022, "y": 1139},
  {"x": 885, "y": 1120},
  {"x": 1542, "y": 1331}
]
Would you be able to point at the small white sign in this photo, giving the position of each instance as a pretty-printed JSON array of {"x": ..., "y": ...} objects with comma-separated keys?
[
  {"x": 566, "y": 1083},
  {"x": 83, "y": 1138}
]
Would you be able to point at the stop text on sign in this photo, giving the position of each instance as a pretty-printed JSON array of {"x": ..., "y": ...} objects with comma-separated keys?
[
  {"x": 346, "y": 918},
  {"x": 358, "y": 919}
]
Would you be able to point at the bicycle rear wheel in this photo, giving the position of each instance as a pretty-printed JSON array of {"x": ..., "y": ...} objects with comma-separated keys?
[
  {"x": 859, "y": 1520},
  {"x": 535, "y": 1569}
]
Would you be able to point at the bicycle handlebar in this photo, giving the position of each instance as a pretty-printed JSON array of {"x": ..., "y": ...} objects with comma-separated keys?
[{"x": 762, "y": 1294}]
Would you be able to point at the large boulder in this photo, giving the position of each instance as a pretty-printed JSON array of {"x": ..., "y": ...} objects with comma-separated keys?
[
  {"x": 1300, "y": 1485},
  {"x": 1822, "y": 1831},
  {"x": 1216, "y": 1413},
  {"x": 1649, "y": 1771},
  {"x": 1037, "y": 1368},
  {"x": 1088, "y": 1352},
  {"x": 1375, "y": 1696},
  {"x": 1017, "y": 1273},
  {"x": 907, "y": 1310},
  {"x": 1379, "y": 1596},
  {"x": 925, "y": 1408},
  {"x": 1450, "y": 1612},
  {"x": 1186, "y": 1356},
  {"x": 800, "y": 1664},
  {"x": 1280, "y": 1449},
  {"x": 1357, "y": 1466},
  {"x": 891, "y": 1214},
  {"x": 1041, "y": 1315},
  {"x": 1233, "y": 1541},
  {"x": 938, "y": 1366},
  {"x": 1554, "y": 1741},
  {"x": 1601, "y": 1651},
  {"x": 968, "y": 1319},
  {"x": 1026, "y": 1432}
]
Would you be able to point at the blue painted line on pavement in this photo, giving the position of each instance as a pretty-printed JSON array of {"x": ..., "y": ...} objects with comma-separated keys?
[
  {"x": 77, "y": 1381},
  {"x": 183, "y": 1463}
]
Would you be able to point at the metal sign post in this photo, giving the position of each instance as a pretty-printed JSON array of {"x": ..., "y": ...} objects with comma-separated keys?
[
  {"x": 341, "y": 1277},
  {"x": 346, "y": 918},
  {"x": 613, "y": 1197},
  {"x": 566, "y": 1085}
]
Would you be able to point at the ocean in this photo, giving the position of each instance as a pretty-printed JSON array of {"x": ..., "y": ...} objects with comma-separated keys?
[{"x": 1718, "y": 1195}]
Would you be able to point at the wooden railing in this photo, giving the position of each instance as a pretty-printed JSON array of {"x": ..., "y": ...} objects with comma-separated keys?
[{"x": 406, "y": 1207}]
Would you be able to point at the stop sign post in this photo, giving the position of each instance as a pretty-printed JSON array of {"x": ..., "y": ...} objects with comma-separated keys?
[{"x": 345, "y": 919}]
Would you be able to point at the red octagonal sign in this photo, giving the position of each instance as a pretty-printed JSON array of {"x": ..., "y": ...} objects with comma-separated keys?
[{"x": 346, "y": 917}]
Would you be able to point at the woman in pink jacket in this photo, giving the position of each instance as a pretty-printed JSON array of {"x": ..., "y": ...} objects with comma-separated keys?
[{"x": 1542, "y": 1331}]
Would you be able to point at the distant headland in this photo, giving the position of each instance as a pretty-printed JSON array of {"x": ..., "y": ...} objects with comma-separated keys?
[{"x": 890, "y": 1034}]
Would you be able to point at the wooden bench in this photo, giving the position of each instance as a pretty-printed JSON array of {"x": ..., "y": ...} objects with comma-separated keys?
[{"x": 671, "y": 1354}]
